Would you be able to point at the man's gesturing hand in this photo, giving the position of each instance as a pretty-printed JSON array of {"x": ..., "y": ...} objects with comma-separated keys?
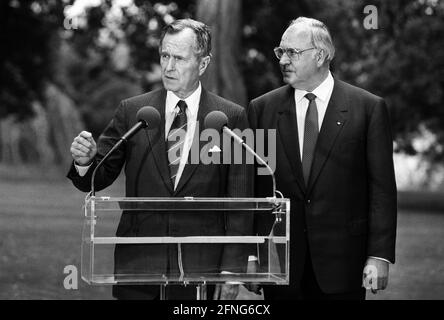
[{"x": 83, "y": 148}]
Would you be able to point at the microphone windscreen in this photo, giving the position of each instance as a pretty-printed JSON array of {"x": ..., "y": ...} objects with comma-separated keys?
[
  {"x": 216, "y": 120},
  {"x": 149, "y": 116}
]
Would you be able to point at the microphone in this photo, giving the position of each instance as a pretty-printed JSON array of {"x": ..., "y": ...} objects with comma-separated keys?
[
  {"x": 146, "y": 116},
  {"x": 219, "y": 121}
]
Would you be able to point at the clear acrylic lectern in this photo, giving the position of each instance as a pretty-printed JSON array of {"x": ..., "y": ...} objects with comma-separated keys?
[{"x": 115, "y": 251}]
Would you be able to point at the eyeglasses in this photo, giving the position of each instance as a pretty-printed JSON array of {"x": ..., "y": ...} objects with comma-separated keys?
[{"x": 292, "y": 53}]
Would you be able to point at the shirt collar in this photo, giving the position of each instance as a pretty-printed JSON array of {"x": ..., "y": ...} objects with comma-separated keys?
[
  {"x": 322, "y": 91},
  {"x": 192, "y": 101}
]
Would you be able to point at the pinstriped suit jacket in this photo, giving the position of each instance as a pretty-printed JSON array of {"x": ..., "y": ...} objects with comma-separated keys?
[{"x": 144, "y": 159}]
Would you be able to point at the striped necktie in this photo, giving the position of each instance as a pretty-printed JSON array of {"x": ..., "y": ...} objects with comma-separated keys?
[
  {"x": 176, "y": 139},
  {"x": 311, "y": 132}
]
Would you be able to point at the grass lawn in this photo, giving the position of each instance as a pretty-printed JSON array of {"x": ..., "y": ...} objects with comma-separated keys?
[{"x": 40, "y": 232}]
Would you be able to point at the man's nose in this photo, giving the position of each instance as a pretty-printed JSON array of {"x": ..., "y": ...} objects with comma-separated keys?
[
  {"x": 284, "y": 60},
  {"x": 171, "y": 64}
]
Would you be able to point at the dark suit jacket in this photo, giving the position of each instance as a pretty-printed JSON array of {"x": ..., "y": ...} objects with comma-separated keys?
[
  {"x": 147, "y": 175},
  {"x": 348, "y": 210}
]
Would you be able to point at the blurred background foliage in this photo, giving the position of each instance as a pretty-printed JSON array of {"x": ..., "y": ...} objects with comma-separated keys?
[{"x": 65, "y": 65}]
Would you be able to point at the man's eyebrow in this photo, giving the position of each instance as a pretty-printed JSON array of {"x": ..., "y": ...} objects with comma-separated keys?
[{"x": 180, "y": 55}]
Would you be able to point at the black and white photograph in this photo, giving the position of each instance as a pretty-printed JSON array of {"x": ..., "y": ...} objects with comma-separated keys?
[{"x": 260, "y": 152}]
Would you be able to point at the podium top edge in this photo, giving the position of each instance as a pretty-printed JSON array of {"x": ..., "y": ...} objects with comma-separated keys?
[{"x": 184, "y": 199}]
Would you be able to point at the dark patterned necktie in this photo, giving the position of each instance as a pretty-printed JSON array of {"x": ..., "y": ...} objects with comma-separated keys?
[
  {"x": 311, "y": 132},
  {"x": 176, "y": 139}
]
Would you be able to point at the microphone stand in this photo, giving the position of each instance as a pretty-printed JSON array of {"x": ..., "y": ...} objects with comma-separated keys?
[
  {"x": 128, "y": 135},
  {"x": 259, "y": 159},
  {"x": 93, "y": 192}
]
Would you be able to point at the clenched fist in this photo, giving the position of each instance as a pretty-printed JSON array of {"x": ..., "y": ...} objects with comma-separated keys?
[{"x": 83, "y": 148}]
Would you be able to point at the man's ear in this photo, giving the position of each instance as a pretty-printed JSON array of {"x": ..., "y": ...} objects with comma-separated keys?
[
  {"x": 203, "y": 64},
  {"x": 320, "y": 57}
]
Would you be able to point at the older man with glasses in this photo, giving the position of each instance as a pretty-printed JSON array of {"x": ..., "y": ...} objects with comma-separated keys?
[{"x": 334, "y": 161}]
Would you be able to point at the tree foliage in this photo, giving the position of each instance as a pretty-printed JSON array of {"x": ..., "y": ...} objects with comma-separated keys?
[
  {"x": 401, "y": 60},
  {"x": 27, "y": 31}
]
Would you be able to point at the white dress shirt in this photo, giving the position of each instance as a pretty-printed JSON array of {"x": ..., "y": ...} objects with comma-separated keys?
[
  {"x": 323, "y": 94},
  {"x": 171, "y": 109}
]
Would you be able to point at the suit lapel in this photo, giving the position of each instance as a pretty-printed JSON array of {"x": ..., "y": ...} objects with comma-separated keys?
[
  {"x": 288, "y": 132},
  {"x": 156, "y": 139},
  {"x": 334, "y": 120},
  {"x": 190, "y": 167}
]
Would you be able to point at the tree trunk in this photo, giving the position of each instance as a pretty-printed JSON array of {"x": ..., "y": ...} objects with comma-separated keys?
[
  {"x": 9, "y": 140},
  {"x": 46, "y": 137},
  {"x": 64, "y": 123},
  {"x": 224, "y": 76}
]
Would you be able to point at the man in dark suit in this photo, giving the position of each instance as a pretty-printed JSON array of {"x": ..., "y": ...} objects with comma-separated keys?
[
  {"x": 334, "y": 161},
  {"x": 158, "y": 163}
]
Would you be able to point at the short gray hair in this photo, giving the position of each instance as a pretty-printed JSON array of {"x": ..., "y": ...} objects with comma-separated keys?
[
  {"x": 201, "y": 30},
  {"x": 320, "y": 36}
]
